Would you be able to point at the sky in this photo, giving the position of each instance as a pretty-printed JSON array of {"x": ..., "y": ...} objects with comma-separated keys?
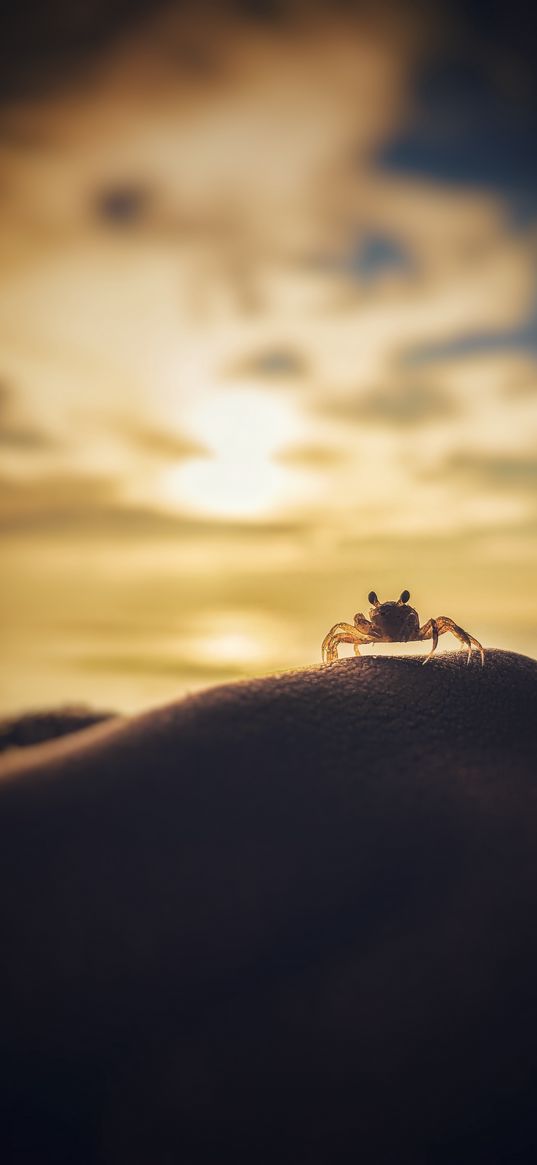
[{"x": 268, "y": 336}]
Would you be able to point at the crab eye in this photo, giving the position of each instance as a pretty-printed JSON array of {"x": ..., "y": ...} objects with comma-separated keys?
[
  {"x": 405, "y": 595},
  {"x": 372, "y": 598}
]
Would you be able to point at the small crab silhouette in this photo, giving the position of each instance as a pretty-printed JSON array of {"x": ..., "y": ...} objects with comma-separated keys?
[{"x": 393, "y": 622}]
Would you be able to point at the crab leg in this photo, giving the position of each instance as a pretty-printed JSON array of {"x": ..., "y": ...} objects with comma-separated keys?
[
  {"x": 430, "y": 631},
  {"x": 343, "y": 633},
  {"x": 447, "y": 624}
]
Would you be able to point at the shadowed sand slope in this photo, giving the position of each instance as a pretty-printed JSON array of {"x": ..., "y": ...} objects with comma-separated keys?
[
  {"x": 37, "y": 727},
  {"x": 288, "y": 920}
]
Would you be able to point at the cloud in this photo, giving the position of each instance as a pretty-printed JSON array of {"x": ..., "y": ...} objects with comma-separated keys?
[
  {"x": 400, "y": 405},
  {"x": 500, "y": 471},
  {"x": 25, "y": 438},
  {"x": 122, "y": 205},
  {"x": 17, "y": 435},
  {"x": 85, "y": 505},
  {"x": 162, "y": 444},
  {"x": 55, "y": 501},
  {"x": 312, "y": 456},
  {"x": 163, "y": 134},
  {"x": 272, "y": 364},
  {"x": 59, "y": 47}
]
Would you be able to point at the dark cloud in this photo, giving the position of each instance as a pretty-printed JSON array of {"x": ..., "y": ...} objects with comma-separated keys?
[
  {"x": 500, "y": 471},
  {"x": 400, "y": 405},
  {"x": 520, "y": 338},
  {"x": 475, "y": 105},
  {"x": 370, "y": 257},
  {"x": 123, "y": 205},
  {"x": 271, "y": 364},
  {"x": 45, "y": 45}
]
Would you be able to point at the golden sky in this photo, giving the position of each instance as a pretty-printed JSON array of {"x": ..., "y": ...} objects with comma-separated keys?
[{"x": 252, "y": 367}]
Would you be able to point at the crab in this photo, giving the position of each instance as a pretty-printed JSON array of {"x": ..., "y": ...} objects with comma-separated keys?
[{"x": 393, "y": 622}]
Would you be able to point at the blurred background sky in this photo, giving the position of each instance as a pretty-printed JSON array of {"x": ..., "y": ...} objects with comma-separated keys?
[{"x": 268, "y": 335}]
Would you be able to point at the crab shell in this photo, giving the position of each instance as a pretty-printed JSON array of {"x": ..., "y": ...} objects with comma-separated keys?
[{"x": 398, "y": 622}]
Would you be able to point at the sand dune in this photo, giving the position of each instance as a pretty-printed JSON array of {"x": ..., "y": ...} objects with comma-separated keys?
[
  {"x": 290, "y": 920},
  {"x": 36, "y": 727}
]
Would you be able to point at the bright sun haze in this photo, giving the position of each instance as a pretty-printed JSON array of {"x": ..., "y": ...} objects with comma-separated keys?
[
  {"x": 268, "y": 341},
  {"x": 239, "y": 476}
]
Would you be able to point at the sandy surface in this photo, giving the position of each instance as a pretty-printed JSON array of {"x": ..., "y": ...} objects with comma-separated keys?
[{"x": 289, "y": 920}]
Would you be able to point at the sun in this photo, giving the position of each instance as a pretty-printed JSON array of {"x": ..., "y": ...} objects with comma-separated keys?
[{"x": 242, "y": 430}]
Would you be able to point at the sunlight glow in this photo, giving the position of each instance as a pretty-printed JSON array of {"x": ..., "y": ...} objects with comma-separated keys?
[
  {"x": 234, "y": 638},
  {"x": 232, "y": 647},
  {"x": 243, "y": 430}
]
